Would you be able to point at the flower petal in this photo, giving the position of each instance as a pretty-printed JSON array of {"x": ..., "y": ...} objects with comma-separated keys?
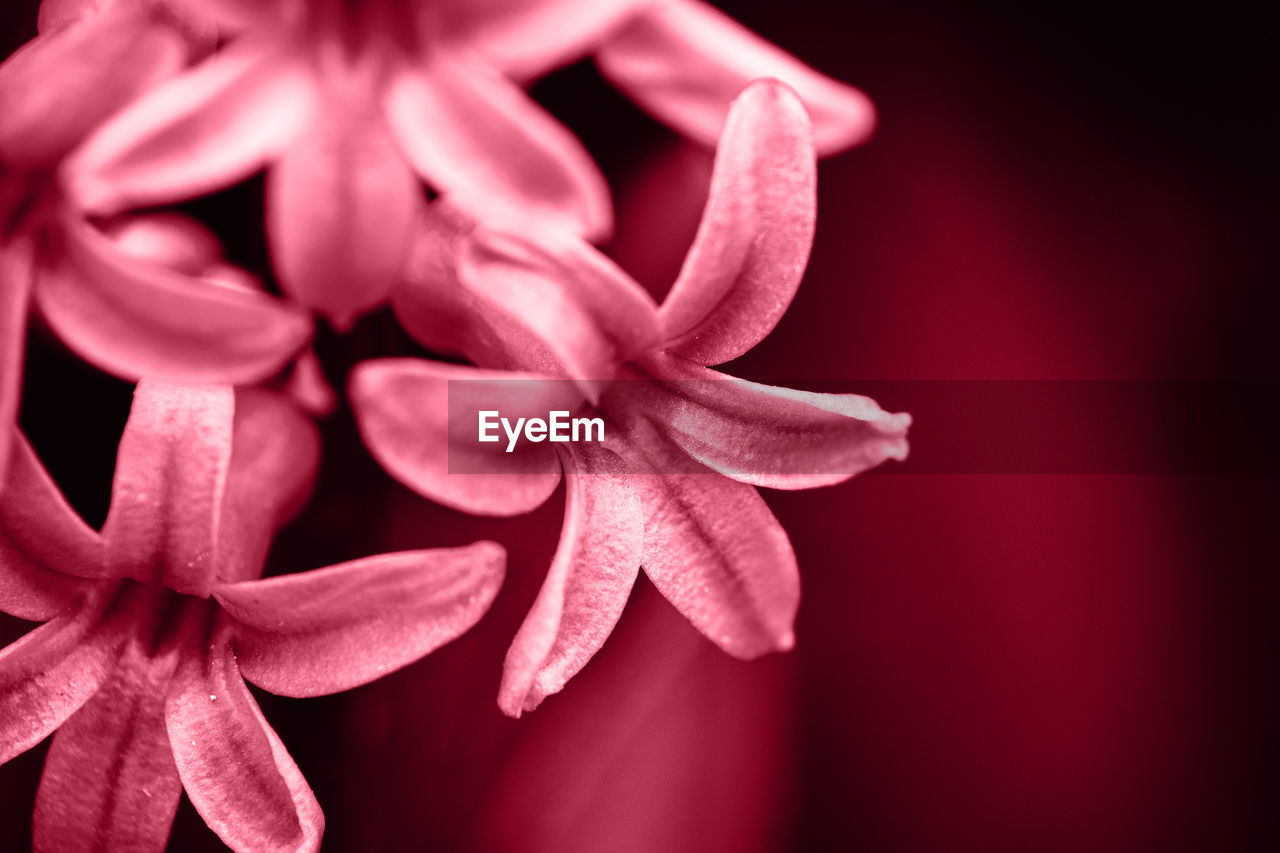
[
  {"x": 201, "y": 131},
  {"x": 487, "y": 147},
  {"x": 238, "y": 14},
  {"x": 173, "y": 241},
  {"x": 198, "y": 31},
  {"x": 171, "y": 469},
  {"x": 57, "y": 87},
  {"x": 752, "y": 245},
  {"x": 135, "y": 318},
  {"x": 48, "y": 674},
  {"x": 109, "y": 781},
  {"x": 586, "y": 588},
  {"x": 714, "y": 549},
  {"x": 328, "y": 630},
  {"x": 683, "y": 61},
  {"x": 16, "y": 260},
  {"x": 409, "y": 413},
  {"x": 770, "y": 436},
  {"x": 233, "y": 766},
  {"x": 340, "y": 202}
]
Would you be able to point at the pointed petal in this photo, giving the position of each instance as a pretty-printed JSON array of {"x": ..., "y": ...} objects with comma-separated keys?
[
  {"x": 770, "y": 436},
  {"x": 753, "y": 243},
  {"x": 683, "y": 61},
  {"x": 328, "y": 630},
  {"x": 205, "y": 129},
  {"x": 171, "y": 469},
  {"x": 409, "y": 413},
  {"x": 586, "y": 588},
  {"x": 274, "y": 455},
  {"x": 135, "y": 318},
  {"x": 716, "y": 552},
  {"x": 109, "y": 781},
  {"x": 16, "y": 260},
  {"x": 340, "y": 202},
  {"x": 488, "y": 148},
  {"x": 59, "y": 86},
  {"x": 48, "y": 674},
  {"x": 233, "y": 766}
]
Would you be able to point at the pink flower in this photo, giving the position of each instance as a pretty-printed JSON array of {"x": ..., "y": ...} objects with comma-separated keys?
[
  {"x": 152, "y": 625},
  {"x": 348, "y": 105},
  {"x": 672, "y": 487}
]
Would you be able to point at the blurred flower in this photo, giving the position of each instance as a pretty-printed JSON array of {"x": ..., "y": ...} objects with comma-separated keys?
[
  {"x": 671, "y": 489},
  {"x": 152, "y": 625}
]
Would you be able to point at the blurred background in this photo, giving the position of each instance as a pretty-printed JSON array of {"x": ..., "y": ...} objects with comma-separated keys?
[{"x": 1039, "y": 660}]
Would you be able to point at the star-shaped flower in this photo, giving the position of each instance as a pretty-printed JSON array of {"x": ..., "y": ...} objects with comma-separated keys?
[
  {"x": 672, "y": 487},
  {"x": 152, "y": 625}
]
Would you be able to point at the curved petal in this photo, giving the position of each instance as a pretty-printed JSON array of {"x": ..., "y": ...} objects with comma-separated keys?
[
  {"x": 48, "y": 674},
  {"x": 16, "y": 259},
  {"x": 340, "y": 202},
  {"x": 770, "y": 436},
  {"x": 274, "y": 455},
  {"x": 59, "y": 86},
  {"x": 137, "y": 319},
  {"x": 198, "y": 31},
  {"x": 201, "y": 131},
  {"x": 171, "y": 470},
  {"x": 233, "y": 766},
  {"x": 716, "y": 552},
  {"x": 493, "y": 152},
  {"x": 109, "y": 781},
  {"x": 683, "y": 61},
  {"x": 753, "y": 242},
  {"x": 171, "y": 240},
  {"x": 328, "y": 630},
  {"x": 419, "y": 420},
  {"x": 588, "y": 583}
]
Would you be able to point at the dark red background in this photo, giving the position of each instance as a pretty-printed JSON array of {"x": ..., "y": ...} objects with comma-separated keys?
[{"x": 1030, "y": 662}]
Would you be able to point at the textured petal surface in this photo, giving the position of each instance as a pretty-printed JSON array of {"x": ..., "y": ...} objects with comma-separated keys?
[
  {"x": 483, "y": 144},
  {"x": 48, "y": 674},
  {"x": 109, "y": 781},
  {"x": 56, "y": 88},
  {"x": 340, "y": 202},
  {"x": 15, "y": 294},
  {"x": 753, "y": 243},
  {"x": 683, "y": 61},
  {"x": 135, "y": 318},
  {"x": 716, "y": 552},
  {"x": 586, "y": 588},
  {"x": 323, "y": 631},
  {"x": 171, "y": 469},
  {"x": 769, "y": 436},
  {"x": 200, "y": 131},
  {"x": 233, "y": 766},
  {"x": 403, "y": 407}
]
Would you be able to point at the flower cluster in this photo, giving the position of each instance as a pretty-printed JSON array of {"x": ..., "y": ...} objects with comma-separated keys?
[{"x": 405, "y": 166}]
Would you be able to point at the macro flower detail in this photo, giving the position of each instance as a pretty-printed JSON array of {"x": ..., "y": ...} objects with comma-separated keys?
[
  {"x": 152, "y": 625},
  {"x": 671, "y": 488}
]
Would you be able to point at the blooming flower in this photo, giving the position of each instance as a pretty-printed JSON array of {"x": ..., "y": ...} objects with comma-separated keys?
[
  {"x": 671, "y": 489},
  {"x": 344, "y": 103},
  {"x": 152, "y": 624}
]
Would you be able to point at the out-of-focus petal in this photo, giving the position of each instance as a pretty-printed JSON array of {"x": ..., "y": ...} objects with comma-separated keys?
[
  {"x": 232, "y": 764},
  {"x": 323, "y": 631},
  {"x": 404, "y": 408},
  {"x": 716, "y": 552},
  {"x": 306, "y": 385},
  {"x": 16, "y": 258},
  {"x": 198, "y": 31},
  {"x": 135, "y": 318},
  {"x": 171, "y": 470},
  {"x": 171, "y": 240},
  {"x": 770, "y": 436},
  {"x": 587, "y": 587},
  {"x": 109, "y": 781},
  {"x": 493, "y": 152},
  {"x": 274, "y": 454},
  {"x": 205, "y": 129},
  {"x": 57, "y": 87},
  {"x": 238, "y": 14},
  {"x": 753, "y": 243},
  {"x": 48, "y": 674},
  {"x": 340, "y": 202},
  {"x": 683, "y": 61}
]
